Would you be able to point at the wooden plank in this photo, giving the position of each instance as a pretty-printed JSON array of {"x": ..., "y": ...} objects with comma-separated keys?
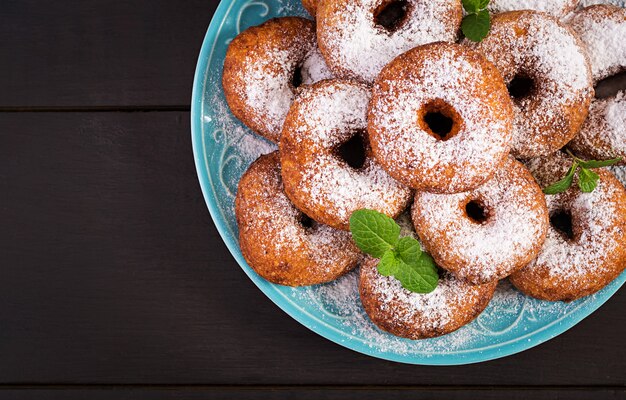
[
  {"x": 112, "y": 272},
  {"x": 315, "y": 393},
  {"x": 100, "y": 53}
]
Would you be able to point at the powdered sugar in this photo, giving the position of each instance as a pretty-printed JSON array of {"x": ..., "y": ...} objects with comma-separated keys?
[
  {"x": 586, "y": 3},
  {"x": 356, "y": 47},
  {"x": 514, "y": 228},
  {"x": 414, "y": 156},
  {"x": 602, "y": 28},
  {"x": 558, "y": 8},
  {"x": 537, "y": 46},
  {"x": 603, "y": 135},
  {"x": 317, "y": 180}
]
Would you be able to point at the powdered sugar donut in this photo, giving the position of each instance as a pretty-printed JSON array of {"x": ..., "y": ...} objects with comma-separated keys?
[
  {"x": 549, "y": 78},
  {"x": 440, "y": 118},
  {"x": 392, "y": 308},
  {"x": 486, "y": 234},
  {"x": 322, "y": 176},
  {"x": 557, "y": 8},
  {"x": 602, "y": 28},
  {"x": 358, "y": 37},
  {"x": 585, "y": 248},
  {"x": 279, "y": 242},
  {"x": 263, "y": 66},
  {"x": 603, "y": 135}
]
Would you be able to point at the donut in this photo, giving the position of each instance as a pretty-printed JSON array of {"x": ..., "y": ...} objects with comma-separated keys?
[
  {"x": 359, "y": 37},
  {"x": 585, "y": 248},
  {"x": 603, "y": 135},
  {"x": 440, "y": 118},
  {"x": 557, "y": 8},
  {"x": 602, "y": 29},
  {"x": 327, "y": 167},
  {"x": 263, "y": 67},
  {"x": 392, "y": 308},
  {"x": 485, "y": 234},
  {"x": 281, "y": 243},
  {"x": 548, "y": 75}
]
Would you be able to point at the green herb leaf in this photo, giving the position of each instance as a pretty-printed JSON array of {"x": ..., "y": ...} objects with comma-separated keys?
[
  {"x": 471, "y": 6},
  {"x": 374, "y": 233},
  {"x": 476, "y": 26},
  {"x": 565, "y": 183},
  {"x": 408, "y": 249},
  {"x": 389, "y": 264},
  {"x": 418, "y": 279},
  {"x": 587, "y": 180},
  {"x": 600, "y": 164}
]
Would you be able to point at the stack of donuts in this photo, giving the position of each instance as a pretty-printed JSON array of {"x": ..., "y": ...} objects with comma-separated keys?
[{"x": 382, "y": 105}]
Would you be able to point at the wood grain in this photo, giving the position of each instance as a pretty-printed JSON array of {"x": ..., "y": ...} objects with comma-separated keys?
[
  {"x": 100, "y": 53},
  {"x": 113, "y": 273}
]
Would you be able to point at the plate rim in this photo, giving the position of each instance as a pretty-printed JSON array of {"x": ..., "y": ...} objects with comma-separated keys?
[{"x": 546, "y": 333}]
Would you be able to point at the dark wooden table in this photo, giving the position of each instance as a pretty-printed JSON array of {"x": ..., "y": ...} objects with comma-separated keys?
[{"x": 115, "y": 283}]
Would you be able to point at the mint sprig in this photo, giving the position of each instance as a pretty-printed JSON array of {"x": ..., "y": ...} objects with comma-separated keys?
[
  {"x": 379, "y": 236},
  {"x": 476, "y": 24},
  {"x": 587, "y": 179}
]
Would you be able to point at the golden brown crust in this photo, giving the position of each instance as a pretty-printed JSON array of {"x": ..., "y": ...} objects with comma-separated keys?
[
  {"x": 310, "y": 6},
  {"x": 501, "y": 234},
  {"x": 419, "y": 316},
  {"x": 318, "y": 181},
  {"x": 257, "y": 79},
  {"x": 536, "y": 46},
  {"x": 577, "y": 264},
  {"x": 273, "y": 239},
  {"x": 458, "y": 83}
]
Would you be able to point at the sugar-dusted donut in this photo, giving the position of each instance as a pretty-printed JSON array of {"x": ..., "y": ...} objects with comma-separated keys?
[
  {"x": 392, "y": 308},
  {"x": 359, "y": 37},
  {"x": 602, "y": 29},
  {"x": 263, "y": 67},
  {"x": 281, "y": 243},
  {"x": 322, "y": 176},
  {"x": 603, "y": 135},
  {"x": 585, "y": 248},
  {"x": 549, "y": 78},
  {"x": 485, "y": 234},
  {"x": 440, "y": 118},
  {"x": 557, "y": 8}
]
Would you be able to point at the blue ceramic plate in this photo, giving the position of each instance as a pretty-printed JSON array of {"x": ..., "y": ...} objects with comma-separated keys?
[{"x": 223, "y": 149}]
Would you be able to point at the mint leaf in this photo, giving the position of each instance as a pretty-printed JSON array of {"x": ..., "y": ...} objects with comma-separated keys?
[
  {"x": 408, "y": 250},
  {"x": 482, "y": 4},
  {"x": 587, "y": 180},
  {"x": 374, "y": 233},
  {"x": 417, "y": 280},
  {"x": 389, "y": 264},
  {"x": 472, "y": 6},
  {"x": 563, "y": 184},
  {"x": 476, "y": 26},
  {"x": 600, "y": 164}
]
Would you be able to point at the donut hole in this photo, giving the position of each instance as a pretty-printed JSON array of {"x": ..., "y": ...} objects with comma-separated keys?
[
  {"x": 305, "y": 221},
  {"x": 521, "y": 87},
  {"x": 353, "y": 151},
  {"x": 561, "y": 220},
  {"x": 440, "y": 120},
  {"x": 391, "y": 15},
  {"x": 296, "y": 78},
  {"x": 609, "y": 87},
  {"x": 476, "y": 211}
]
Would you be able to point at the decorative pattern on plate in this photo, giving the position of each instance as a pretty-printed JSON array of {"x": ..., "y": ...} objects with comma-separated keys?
[{"x": 223, "y": 149}]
